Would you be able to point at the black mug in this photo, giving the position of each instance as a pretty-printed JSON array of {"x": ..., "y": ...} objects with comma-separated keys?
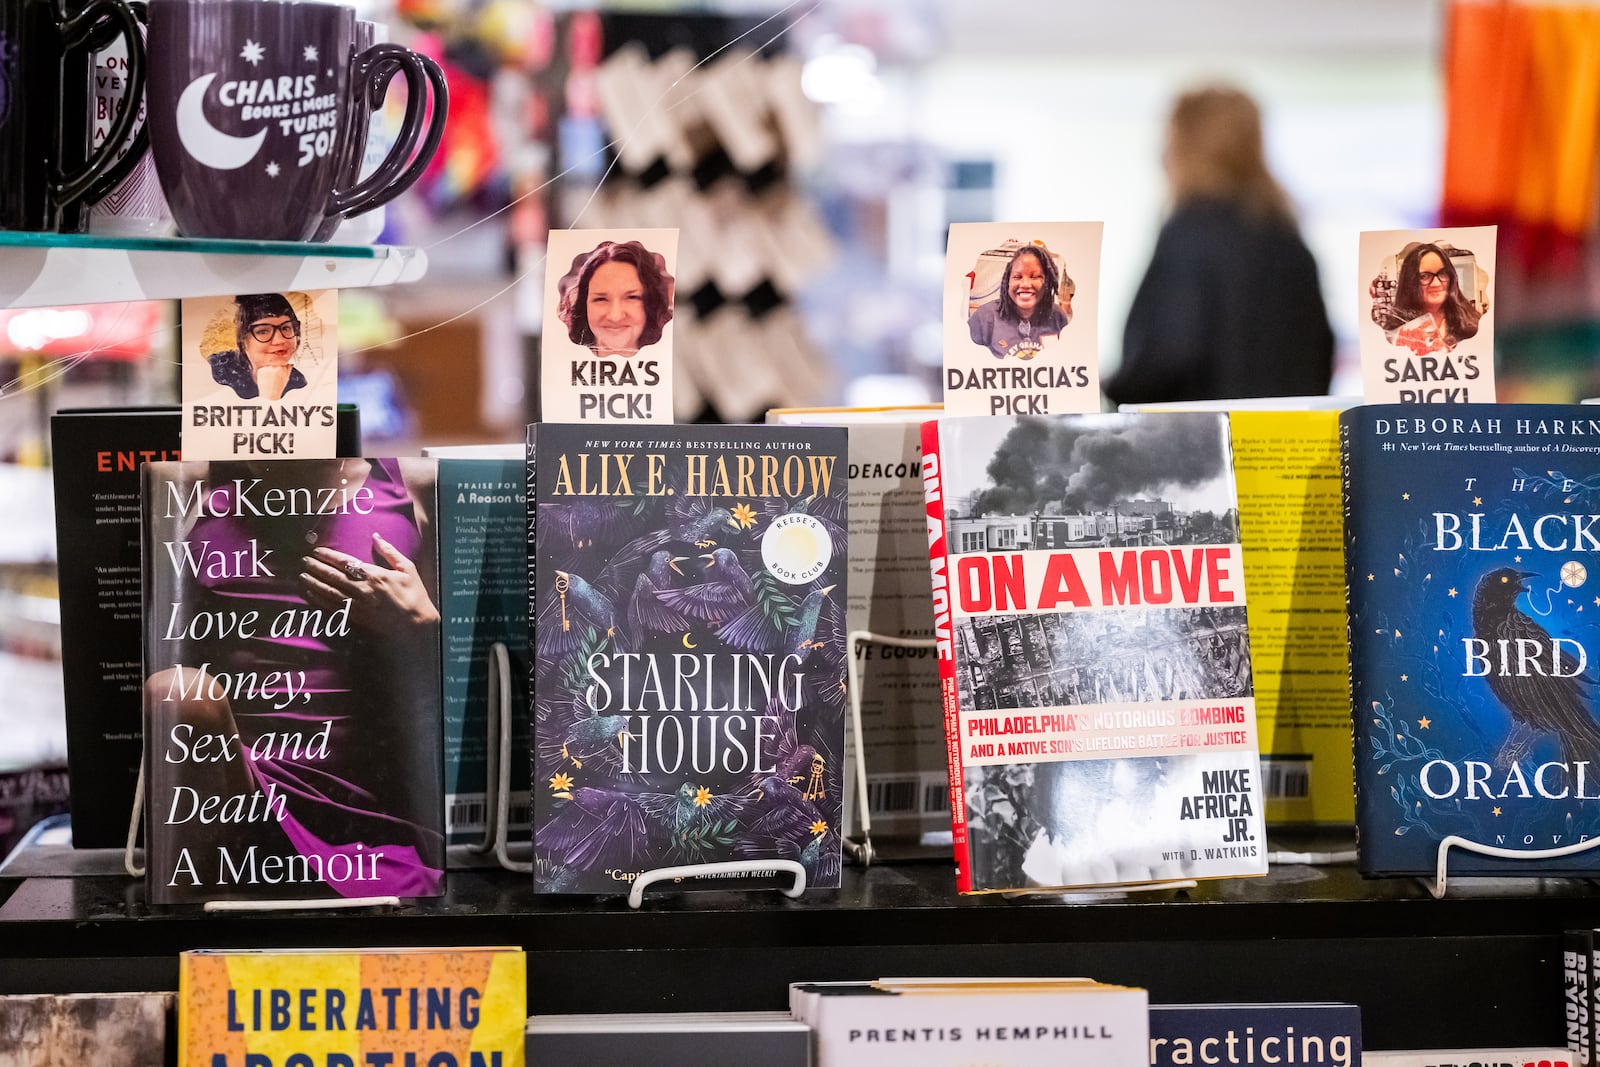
[
  {"x": 47, "y": 169},
  {"x": 250, "y": 116},
  {"x": 387, "y": 60}
]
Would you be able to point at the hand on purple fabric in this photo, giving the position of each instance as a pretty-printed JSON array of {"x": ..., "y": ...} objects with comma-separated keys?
[{"x": 380, "y": 596}]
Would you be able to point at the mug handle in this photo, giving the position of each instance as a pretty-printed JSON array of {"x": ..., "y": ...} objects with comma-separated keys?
[
  {"x": 76, "y": 32},
  {"x": 101, "y": 36},
  {"x": 372, "y": 70}
]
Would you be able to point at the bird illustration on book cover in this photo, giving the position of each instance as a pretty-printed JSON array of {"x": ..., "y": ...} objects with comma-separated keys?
[
  {"x": 689, "y": 672},
  {"x": 1473, "y": 619}
]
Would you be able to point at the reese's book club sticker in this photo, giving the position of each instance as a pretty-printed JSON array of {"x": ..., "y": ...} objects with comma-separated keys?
[
  {"x": 1427, "y": 316},
  {"x": 260, "y": 375},
  {"x": 607, "y": 346},
  {"x": 1021, "y": 318}
]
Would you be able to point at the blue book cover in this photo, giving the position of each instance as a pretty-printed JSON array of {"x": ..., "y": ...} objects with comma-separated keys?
[
  {"x": 1308, "y": 1035},
  {"x": 1469, "y": 530},
  {"x": 688, "y": 639}
]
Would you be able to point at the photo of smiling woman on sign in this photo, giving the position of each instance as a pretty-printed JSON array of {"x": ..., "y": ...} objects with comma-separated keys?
[
  {"x": 267, "y": 336},
  {"x": 617, "y": 299},
  {"x": 1032, "y": 302},
  {"x": 1427, "y": 316},
  {"x": 1426, "y": 309},
  {"x": 1021, "y": 318}
]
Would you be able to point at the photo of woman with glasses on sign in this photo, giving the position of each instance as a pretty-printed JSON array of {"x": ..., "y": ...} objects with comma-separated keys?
[
  {"x": 267, "y": 340},
  {"x": 1427, "y": 309}
]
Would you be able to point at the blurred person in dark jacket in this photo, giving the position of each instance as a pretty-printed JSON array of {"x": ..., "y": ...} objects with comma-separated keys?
[{"x": 1230, "y": 305}]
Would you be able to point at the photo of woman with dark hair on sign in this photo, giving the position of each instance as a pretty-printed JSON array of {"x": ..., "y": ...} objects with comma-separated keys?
[
  {"x": 617, "y": 299},
  {"x": 1426, "y": 310},
  {"x": 267, "y": 340},
  {"x": 1028, "y": 307}
]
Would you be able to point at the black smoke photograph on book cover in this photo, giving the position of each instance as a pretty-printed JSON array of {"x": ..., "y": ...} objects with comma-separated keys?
[
  {"x": 292, "y": 685},
  {"x": 1099, "y": 696},
  {"x": 688, "y": 598},
  {"x": 1471, "y": 534}
]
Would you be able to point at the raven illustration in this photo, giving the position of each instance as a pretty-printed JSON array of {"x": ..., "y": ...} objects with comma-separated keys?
[{"x": 1522, "y": 673}]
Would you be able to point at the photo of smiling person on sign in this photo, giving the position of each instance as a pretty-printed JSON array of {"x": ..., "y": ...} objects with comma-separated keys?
[
  {"x": 1032, "y": 302},
  {"x": 1427, "y": 311},
  {"x": 617, "y": 300},
  {"x": 607, "y": 347},
  {"x": 267, "y": 339}
]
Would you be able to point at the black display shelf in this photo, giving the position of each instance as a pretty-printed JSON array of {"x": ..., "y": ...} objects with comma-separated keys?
[{"x": 1480, "y": 967}]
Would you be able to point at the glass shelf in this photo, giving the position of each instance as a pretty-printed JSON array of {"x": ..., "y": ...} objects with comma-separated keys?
[{"x": 48, "y": 269}]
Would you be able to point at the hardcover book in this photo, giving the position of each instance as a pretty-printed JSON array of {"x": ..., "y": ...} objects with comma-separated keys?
[
  {"x": 1472, "y": 1057},
  {"x": 1473, "y": 616},
  {"x": 483, "y": 589},
  {"x": 1577, "y": 955},
  {"x": 73, "y": 1029},
  {"x": 901, "y": 728},
  {"x": 1579, "y": 941},
  {"x": 96, "y": 461},
  {"x": 292, "y": 680},
  {"x": 96, "y": 458},
  {"x": 1310, "y": 1035},
  {"x": 1089, "y": 608},
  {"x": 446, "y": 1007},
  {"x": 705, "y": 1039},
  {"x": 688, "y": 641},
  {"x": 1025, "y": 1023},
  {"x": 1286, "y": 463}
]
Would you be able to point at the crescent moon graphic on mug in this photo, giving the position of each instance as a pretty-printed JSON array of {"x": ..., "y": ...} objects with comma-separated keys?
[
  {"x": 688, "y": 643},
  {"x": 206, "y": 143}
]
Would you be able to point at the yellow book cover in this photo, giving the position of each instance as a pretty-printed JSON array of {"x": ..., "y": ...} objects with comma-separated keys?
[
  {"x": 1291, "y": 526},
  {"x": 450, "y": 1007}
]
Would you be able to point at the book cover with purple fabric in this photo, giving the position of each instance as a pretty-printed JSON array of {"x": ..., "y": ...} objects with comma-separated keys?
[
  {"x": 292, "y": 680},
  {"x": 688, "y": 636}
]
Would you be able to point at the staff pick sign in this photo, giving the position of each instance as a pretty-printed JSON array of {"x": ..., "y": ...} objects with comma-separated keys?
[
  {"x": 260, "y": 375},
  {"x": 1021, "y": 318},
  {"x": 607, "y": 351}
]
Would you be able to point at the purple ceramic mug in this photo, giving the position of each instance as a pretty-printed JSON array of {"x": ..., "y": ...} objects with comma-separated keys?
[{"x": 250, "y": 114}]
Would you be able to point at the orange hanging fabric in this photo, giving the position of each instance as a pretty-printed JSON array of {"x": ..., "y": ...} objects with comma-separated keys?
[
  {"x": 1486, "y": 94},
  {"x": 1556, "y": 161},
  {"x": 1522, "y": 117}
]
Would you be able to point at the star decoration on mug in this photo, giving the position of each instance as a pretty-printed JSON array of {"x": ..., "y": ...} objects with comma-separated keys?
[
  {"x": 310, "y": 53},
  {"x": 272, "y": 169},
  {"x": 252, "y": 53}
]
